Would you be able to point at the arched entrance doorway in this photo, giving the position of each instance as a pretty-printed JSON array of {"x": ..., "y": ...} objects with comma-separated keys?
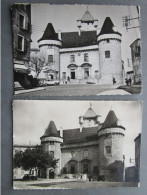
[
  {"x": 51, "y": 174},
  {"x": 72, "y": 68},
  {"x": 72, "y": 166},
  {"x": 86, "y": 166}
]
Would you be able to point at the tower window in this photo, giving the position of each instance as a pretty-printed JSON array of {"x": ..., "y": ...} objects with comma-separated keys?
[
  {"x": 86, "y": 57},
  {"x": 52, "y": 153},
  {"x": 108, "y": 149},
  {"x": 21, "y": 21},
  {"x": 52, "y": 143},
  {"x": 20, "y": 45},
  {"x": 72, "y": 58},
  {"x": 107, "y": 54},
  {"x": 50, "y": 58},
  {"x": 108, "y": 40}
]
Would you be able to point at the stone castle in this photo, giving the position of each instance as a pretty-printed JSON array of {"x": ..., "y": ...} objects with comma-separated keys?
[
  {"x": 83, "y": 56},
  {"x": 92, "y": 149}
]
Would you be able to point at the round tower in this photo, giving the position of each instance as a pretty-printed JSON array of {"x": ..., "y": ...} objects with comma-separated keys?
[
  {"x": 109, "y": 42},
  {"x": 110, "y": 139},
  {"x": 51, "y": 142},
  {"x": 49, "y": 45}
]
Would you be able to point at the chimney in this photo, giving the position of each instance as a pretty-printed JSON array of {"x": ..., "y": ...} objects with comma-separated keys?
[
  {"x": 79, "y": 32},
  {"x": 61, "y": 132},
  {"x": 59, "y": 35},
  {"x": 81, "y": 121}
]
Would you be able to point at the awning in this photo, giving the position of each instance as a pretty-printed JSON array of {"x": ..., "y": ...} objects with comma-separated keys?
[{"x": 21, "y": 68}]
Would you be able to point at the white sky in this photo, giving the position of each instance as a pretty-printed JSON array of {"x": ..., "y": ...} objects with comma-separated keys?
[
  {"x": 31, "y": 118},
  {"x": 64, "y": 18}
]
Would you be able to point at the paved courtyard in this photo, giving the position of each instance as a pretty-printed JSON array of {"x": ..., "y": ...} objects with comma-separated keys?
[
  {"x": 70, "y": 90},
  {"x": 69, "y": 184}
]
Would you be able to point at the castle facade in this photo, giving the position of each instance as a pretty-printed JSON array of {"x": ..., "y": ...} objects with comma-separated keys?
[
  {"x": 83, "y": 56},
  {"x": 93, "y": 149}
]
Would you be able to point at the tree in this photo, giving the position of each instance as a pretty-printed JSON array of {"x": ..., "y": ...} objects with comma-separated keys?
[
  {"x": 39, "y": 63},
  {"x": 34, "y": 158}
]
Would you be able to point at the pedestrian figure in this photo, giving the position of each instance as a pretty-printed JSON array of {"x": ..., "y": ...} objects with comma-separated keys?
[
  {"x": 114, "y": 81},
  {"x": 68, "y": 78},
  {"x": 126, "y": 81},
  {"x": 90, "y": 178},
  {"x": 130, "y": 81}
]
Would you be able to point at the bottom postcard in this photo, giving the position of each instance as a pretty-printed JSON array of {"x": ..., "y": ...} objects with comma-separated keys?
[{"x": 76, "y": 144}]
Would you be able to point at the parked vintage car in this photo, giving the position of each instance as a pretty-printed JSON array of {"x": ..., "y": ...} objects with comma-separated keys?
[
  {"x": 98, "y": 178},
  {"x": 51, "y": 83},
  {"x": 29, "y": 177}
]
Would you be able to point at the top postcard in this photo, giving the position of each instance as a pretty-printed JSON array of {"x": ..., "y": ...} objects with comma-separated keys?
[{"x": 76, "y": 50}]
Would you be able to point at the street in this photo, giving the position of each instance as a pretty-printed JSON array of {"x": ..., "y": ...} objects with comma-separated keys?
[{"x": 69, "y": 184}]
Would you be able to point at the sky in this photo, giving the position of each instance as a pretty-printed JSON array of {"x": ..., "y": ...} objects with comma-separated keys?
[
  {"x": 31, "y": 118},
  {"x": 64, "y": 18}
]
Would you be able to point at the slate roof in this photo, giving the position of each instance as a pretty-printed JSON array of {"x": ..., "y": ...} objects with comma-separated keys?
[
  {"x": 49, "y": 33},
  {"x": 90, "y": 113},
  {"x": 111, "y": 120},
  {"x": 87, "y": 17},
  {"x": 74, "y": 135},
  {"x": 107, "y": 27},
  {"x": 51, "y": 130},
  {"x": 72, "y": 39}
]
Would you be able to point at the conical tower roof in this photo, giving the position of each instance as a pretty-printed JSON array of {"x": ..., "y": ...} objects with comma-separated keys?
[
  {"x": 51, "y": 130},
  {"x": 107, "y": 27},
  {"x": 90, "y": 113},
  {"x": 49, "y": 33},
  {"x": 111, "y": 120},
  {"x": 87, "y": 17}
]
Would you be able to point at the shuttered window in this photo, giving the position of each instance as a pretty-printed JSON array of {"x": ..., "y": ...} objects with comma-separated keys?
[{"x": 20, "y": 43}]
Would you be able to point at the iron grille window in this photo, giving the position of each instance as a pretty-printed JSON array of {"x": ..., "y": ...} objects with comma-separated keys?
[
  {"x": 107, "y": 54},
  {"x": 50, "y": 58}
]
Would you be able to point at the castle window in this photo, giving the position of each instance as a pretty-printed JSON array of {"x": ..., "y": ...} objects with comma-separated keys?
[
  {"x": 73, "y": 154},
  {"x": 107, "y": 54},
  {"x": 108, "y": 40},
  {"x": 86, "y": 57},
  {"x": 20, "y": 43},
  {"x": 52, "y": 143},
  {"x": 21, "y": 21},
  {"x": 50, "y": 58},
  {"x": 72, "y": 58},
  {"x": 52, "y": 153},
  {"x": 63, "y": 75},
  {"x": 108, "y": 149},
  {"x": 86, "y": 153}
]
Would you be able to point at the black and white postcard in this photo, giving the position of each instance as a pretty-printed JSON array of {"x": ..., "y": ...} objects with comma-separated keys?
[
  {"x": 76, "y": 144},
  {"x": 76, "y": 50}
]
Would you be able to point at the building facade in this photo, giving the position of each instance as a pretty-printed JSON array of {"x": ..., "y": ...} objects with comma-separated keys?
[
  {"x": 92, "y": 149},
  {"x": 83, "y": 56},
  {"x": 136, "y": 60}
]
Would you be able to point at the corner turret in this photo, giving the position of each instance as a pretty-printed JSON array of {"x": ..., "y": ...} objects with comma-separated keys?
[
  {"x": 51, "y": 142},
  {"x": 111, "y": 138},
  {"x": 109, "y": 42}
]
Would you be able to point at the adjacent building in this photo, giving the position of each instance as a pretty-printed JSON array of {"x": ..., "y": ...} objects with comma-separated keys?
[{"x": 136, "y": 60}]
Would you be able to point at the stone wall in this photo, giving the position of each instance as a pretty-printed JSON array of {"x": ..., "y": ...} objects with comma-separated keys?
[{"x": 110, "y": 67}]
